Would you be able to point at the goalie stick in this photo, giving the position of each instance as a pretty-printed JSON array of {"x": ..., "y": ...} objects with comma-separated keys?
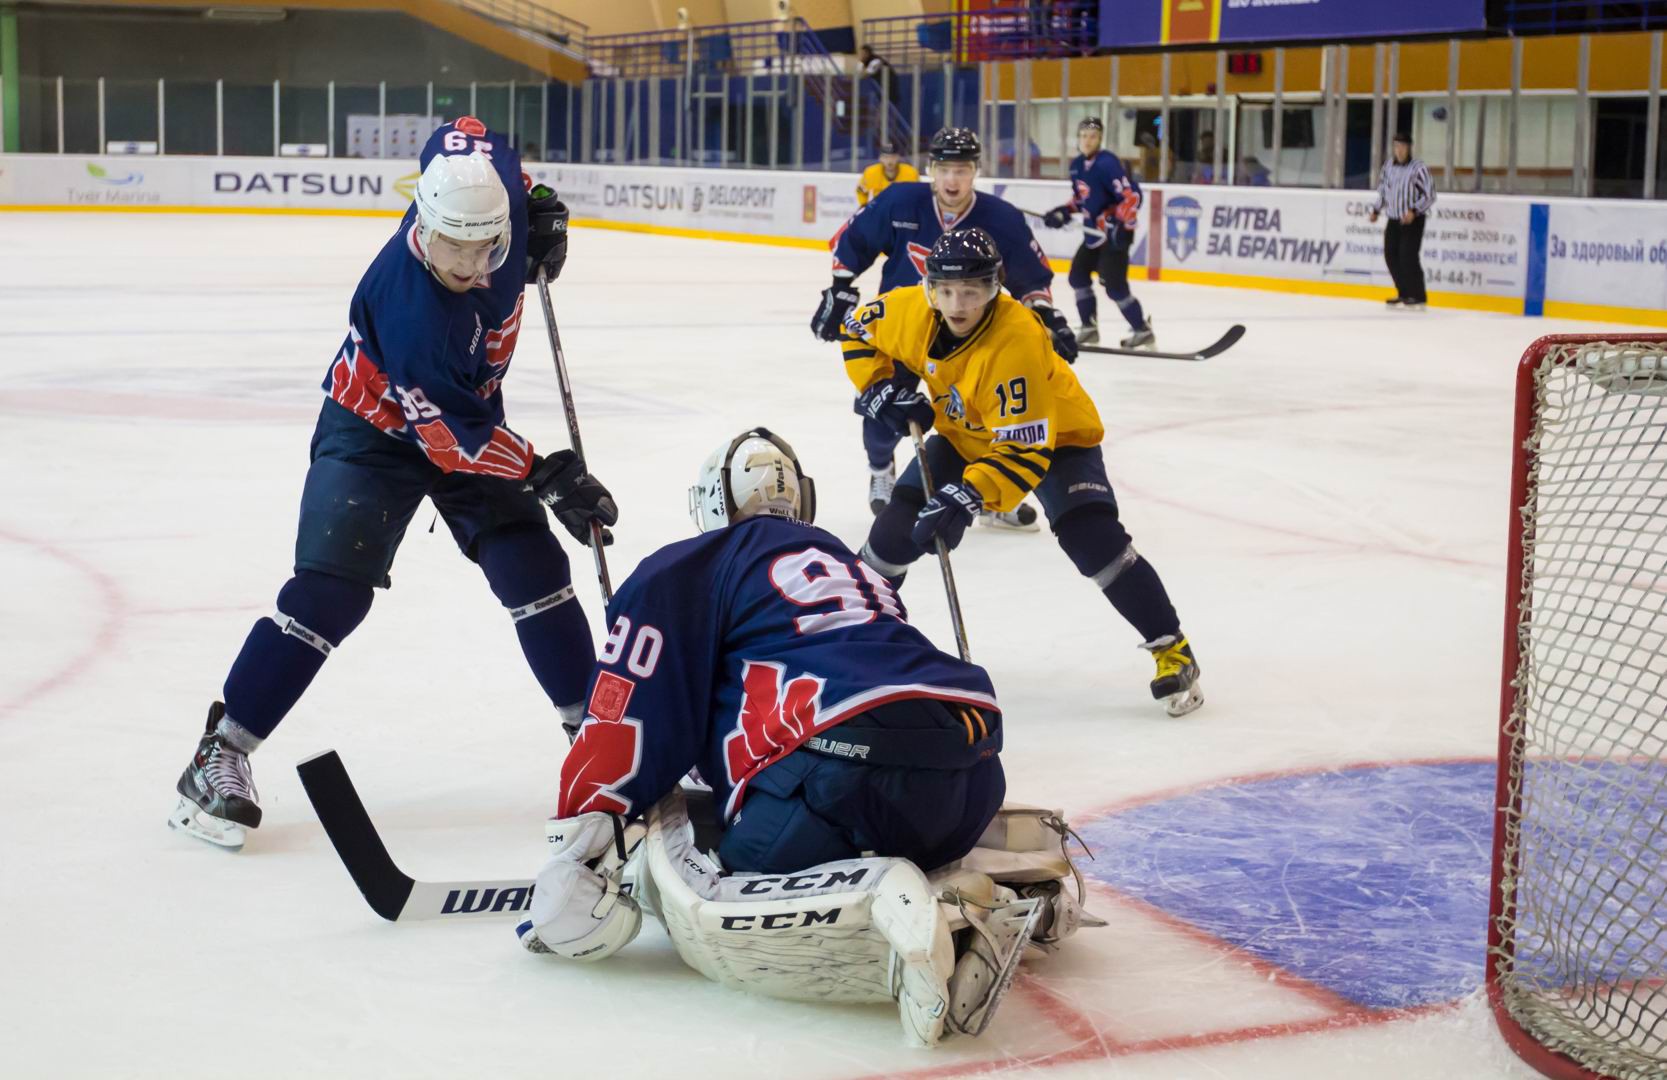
[
  {"x": 398, "y": 897},
  {"x": 390, "y": 891},
  {"x": 1216, "y": 348}
]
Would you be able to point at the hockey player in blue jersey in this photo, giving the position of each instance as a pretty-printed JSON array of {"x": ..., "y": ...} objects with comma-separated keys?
[
  {"x": 753, "y": 651},
  {"x": 1108, "y": 200},
  {"x": 847, "y": 756},
  {"x": 414, "y": 407},
  {"x": 902, "y": 223}
]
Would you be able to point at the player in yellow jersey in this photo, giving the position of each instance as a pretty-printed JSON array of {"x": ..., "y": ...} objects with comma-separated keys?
[
  {"x": 1008, "y": 417},
  {"x": 890, "y": 169}
]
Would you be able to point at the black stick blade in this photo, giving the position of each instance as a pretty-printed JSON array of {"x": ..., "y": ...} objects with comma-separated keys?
[{"x": 349, "y": 828}]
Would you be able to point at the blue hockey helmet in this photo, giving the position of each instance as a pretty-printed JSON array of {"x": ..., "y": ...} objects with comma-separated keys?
[
  {"x": 955, "y": 144},
  {"x": 963, "y": 255}
]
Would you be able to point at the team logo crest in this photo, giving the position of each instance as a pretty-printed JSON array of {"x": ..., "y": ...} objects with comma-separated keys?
[
  {"x": 1180, "y": 219},
  {"x": 956, "y": 408},
  {"x": 917, "y": 256}
]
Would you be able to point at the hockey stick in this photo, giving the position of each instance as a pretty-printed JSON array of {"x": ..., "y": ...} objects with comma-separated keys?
[
  {"x": 392, "y": 893},
  {"x": 572, "y": 425},
  {"x": 1216, "y": 348},
  {"x": 943, "y": 552}
]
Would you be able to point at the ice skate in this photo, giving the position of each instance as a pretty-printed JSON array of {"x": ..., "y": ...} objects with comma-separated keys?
[
  {"x": 1021, "y": 519},
  {"x": 1088, "y": 334},
  {"x": 1143, "y": 338},
  {"x": 1176, "y": 682},
  {"x": 881, "y": 482},
  {"x": 217, "y": 792}
]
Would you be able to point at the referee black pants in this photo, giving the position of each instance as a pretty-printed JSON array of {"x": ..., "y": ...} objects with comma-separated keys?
[{"x": 1401, "y": 247}]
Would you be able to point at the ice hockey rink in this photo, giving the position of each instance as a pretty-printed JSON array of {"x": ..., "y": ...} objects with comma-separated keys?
[{"x": 1295, "y": 876}]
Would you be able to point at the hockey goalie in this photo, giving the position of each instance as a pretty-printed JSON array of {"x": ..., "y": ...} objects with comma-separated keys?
[{"x": 858, "y": 848}]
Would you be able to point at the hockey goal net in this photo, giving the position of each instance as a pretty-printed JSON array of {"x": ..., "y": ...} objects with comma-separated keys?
[{"x": 1577, "y": 936}]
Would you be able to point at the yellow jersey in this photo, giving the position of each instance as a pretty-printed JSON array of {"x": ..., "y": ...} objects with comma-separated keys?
[
  {"x": 874, "y": 180},
  {"x": 1001, "y": 396}
]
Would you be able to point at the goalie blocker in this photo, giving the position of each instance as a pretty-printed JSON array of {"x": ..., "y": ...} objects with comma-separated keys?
[{"x": 945, "y": 946}]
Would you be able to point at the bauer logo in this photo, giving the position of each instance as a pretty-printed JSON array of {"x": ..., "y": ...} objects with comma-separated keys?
[
  {"x": 1180, "y": 220},
  {"x": 487, "y": 901},
  {"x": 781, "y": 920}
]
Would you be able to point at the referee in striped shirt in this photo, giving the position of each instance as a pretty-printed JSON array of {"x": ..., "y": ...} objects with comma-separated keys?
[{"x": 1407, "y": 193}]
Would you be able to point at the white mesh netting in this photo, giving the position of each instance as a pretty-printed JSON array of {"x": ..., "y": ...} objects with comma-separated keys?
[{"x": 1582, "y": 964}]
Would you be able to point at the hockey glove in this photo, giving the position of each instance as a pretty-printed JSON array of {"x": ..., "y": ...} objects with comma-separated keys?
[
  {"x": 546, "y": 233},
  {"x": 895, "y": 407},
  {"x": 838, "y": 301},
  {"x": 1057, "y": 218},
  {"x": 1064, "y": 342},
  {"x": 946, "y": 515},
  {"x": 577, "y": 498},
  {"x": 578, "y": 909}
]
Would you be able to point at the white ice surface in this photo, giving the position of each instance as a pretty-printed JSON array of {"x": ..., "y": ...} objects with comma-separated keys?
[{"x": 1327, "y": 504}]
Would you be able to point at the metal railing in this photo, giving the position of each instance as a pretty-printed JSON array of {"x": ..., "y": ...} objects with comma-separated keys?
[{"x": 996, "y": 32}]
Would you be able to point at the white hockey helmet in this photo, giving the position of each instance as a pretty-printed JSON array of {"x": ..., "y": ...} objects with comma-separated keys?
[
  {"x": 754, "y": 473},
  {"x": 461, "y": 196}
]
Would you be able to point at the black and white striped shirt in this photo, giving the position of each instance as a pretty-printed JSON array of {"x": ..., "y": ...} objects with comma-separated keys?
[{"x": 1405, "y": 187}]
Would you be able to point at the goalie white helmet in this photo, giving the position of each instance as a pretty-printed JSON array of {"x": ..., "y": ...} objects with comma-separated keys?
[
  {"x": 462, "y": 198},
  {"x": 754, "y": 473}
]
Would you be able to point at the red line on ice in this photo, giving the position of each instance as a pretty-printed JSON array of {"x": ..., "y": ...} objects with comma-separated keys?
[{"x": 112, "y": 605}]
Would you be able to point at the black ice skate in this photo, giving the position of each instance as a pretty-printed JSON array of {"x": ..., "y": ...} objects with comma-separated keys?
[
  {"x": 217, "y": 799},
  {"x": 1176, "y": 681}
]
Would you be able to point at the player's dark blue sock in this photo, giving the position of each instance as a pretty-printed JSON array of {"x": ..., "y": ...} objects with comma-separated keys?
[
  {"x": 281, "y": 655},
  {"x": 1087, "y": 306},
  {"x": 1132, "y": 311},
  {"x": 1100, "y": 548},
  {"x": 880, "y": 442},
  {"x": 528, "y": 572},
  {"x": 890, "y": 547}
]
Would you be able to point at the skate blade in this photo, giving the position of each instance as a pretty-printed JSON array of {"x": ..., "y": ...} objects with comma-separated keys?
[
  {"x": 998, "y": 524},
  {"x": 1184, "y": 702},
  {"x": 189, "y": 818}
]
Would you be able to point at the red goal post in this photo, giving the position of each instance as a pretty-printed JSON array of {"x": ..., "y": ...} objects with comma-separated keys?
[{"x": 1577, "y": 925}]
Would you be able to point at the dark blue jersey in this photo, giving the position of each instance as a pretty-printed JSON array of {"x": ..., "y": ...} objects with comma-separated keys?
[
  {"x": 424, "y": 364},
  {"x": 1105, "y": 194},
  {"x": 730, "y": 649},
  {"x": 903, "y": 222}
]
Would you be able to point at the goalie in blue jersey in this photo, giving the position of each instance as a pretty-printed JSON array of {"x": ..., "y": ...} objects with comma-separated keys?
[
  {"x": 848, "y": 756},
  {"x": 414, "y": 408}
]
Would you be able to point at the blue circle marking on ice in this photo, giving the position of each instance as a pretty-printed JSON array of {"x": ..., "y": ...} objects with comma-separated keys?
[{"x": 1371, "y": 882}]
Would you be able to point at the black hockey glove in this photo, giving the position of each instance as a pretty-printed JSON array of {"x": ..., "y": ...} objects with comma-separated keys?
[
  {"x": 895, "y": 407},
  {"x": 1064, "y": 342},
  {"x": 838, "y": 301},
  {"x": 546, "y": 233},
  {"x": 946, "y": 514},
  {"x": 1057, "y": 218},
  {"x": 577, "y": 498}
]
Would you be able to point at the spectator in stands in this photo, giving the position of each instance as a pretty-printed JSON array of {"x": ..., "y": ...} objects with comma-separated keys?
[
  {"x": 1253, "y": 173},
  {"x": 876, "y": 67}
]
